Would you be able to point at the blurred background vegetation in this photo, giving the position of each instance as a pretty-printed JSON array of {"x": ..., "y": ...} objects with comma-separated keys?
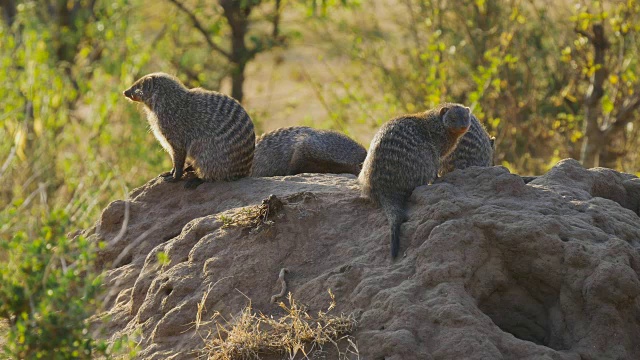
[{"x": 549, "y": 79}]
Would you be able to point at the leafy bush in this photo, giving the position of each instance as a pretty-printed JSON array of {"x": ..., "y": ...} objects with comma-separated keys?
[
  {"x": 47, "y": 292},
  {"x": 64, "y": 122}
]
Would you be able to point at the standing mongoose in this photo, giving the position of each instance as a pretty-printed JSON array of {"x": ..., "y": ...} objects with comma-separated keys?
[
  {"x": 406, "y": 153},
  {"x": 301, "y": 149},
  {"x": 475, "y": 148},
  {"x": 209, "y": 130}
]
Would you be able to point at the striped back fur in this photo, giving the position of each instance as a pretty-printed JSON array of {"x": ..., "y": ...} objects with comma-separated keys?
[
  {"x": 229, "y": 131},
  {"x": 301, "y": 149}
]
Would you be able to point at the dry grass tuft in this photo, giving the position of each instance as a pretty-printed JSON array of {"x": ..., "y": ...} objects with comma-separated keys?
[
  {"x": 255, "y": 217},
  {"x": 295, "y": 334}
]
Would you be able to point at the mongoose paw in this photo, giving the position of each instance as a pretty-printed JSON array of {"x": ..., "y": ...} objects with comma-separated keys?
[
  {"x": 193, "y": 183},
  {"x": 170, "y": 179},
  {"x": 166, "y": 174}
]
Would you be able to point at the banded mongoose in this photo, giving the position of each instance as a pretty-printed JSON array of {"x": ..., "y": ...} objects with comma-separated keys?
[
  {"x": 209, "y": 130},
  {"x": 475, "y": 148},
  {"x": 301, "y": 149},
  {"x": 404, "y": 154}
]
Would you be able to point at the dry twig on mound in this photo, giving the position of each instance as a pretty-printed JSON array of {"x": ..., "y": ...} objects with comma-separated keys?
[{"x": 255, "y": 217}]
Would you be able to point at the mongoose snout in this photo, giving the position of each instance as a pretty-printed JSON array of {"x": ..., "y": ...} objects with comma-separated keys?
[
  {"x": 475, "y": 148},
  {"x": 130, "y": 95},
  {"x": 459, "y": 130},
  {"x": 134, "y": 93}
]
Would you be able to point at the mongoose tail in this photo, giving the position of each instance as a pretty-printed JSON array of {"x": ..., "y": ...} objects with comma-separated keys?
[{"x": 395, "y": 211}]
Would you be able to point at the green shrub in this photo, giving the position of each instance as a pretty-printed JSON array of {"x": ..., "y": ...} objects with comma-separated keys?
[{"x": 47, "y": 292}]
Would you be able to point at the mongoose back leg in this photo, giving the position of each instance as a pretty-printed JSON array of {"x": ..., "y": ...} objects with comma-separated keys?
[
  {"x": 193, "y": 183},
  {"x": 170, "y": 173},
  {"x": 311, "y": 165}
]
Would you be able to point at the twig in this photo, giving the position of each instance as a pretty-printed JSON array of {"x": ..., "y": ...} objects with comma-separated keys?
[
  {"x": 130, "y": 246},
  {"x": 198, "y": 25},
  {"x": 283, "y": 284},
  {"x": 7, "y": 162}
]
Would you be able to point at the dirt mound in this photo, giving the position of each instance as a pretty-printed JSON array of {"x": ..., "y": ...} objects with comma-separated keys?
[{"x": 492, "y": 268}]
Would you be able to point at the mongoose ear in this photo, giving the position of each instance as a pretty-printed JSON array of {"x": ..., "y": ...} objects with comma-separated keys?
[{"x": 443, "y": 111}]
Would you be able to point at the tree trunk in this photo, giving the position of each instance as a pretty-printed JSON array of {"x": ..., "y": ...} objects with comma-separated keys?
[
  {"x": 237, "y": 16},
  {"x": 592, "y": 146},
  {"x": 594, "y": 138},
  {"x": 276, "y": 20},
  {"x": 237, "y": 83},
  {"x": 9, "y": 11}
]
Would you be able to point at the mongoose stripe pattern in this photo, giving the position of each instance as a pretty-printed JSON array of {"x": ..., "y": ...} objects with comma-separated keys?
[
  {"x": 474, "y": 149},
  {"x": 404, "y": 154},
  {"x": 209, "y": 130},
  {"x": 301, "y": 149}
]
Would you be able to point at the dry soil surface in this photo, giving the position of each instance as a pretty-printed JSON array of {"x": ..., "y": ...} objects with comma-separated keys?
[{"x": 490, "y": 268}]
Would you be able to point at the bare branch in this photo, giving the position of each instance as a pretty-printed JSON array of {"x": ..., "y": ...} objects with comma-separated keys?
[
  {"x": 625, "y": 115},
  {"x": 198, "y": 25},
  {"x": 584, "y": 33},
  {"x": 158, "y": 37},
  {"x": 7, "y": 162},
  {"x": 192, "y": 76}
]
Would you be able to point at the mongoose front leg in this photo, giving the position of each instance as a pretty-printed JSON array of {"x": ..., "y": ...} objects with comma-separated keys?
[
  {"x": 179, "y": 158},
  {"x": 170, "y": 173}
]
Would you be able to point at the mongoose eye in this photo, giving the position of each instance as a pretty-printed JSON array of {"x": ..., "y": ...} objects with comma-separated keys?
[{"x": 138, "y": 92}]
